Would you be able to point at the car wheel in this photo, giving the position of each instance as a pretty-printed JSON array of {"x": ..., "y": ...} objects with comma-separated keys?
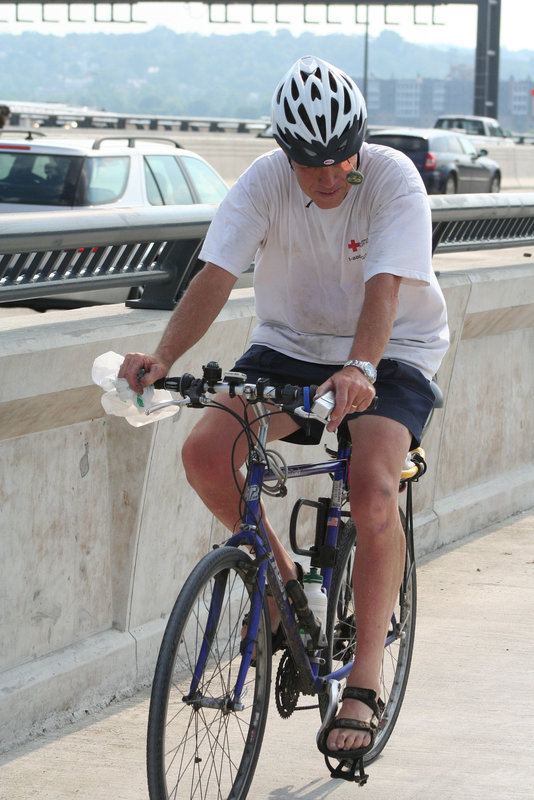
[
  {"x": 450, "y": 185},
  {"x": 495, "y": 184}
]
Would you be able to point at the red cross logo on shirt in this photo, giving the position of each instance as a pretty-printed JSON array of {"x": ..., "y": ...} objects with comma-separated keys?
[{"x": 353, "y": 245}]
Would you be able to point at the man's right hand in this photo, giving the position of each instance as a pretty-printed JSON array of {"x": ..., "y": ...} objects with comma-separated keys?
[{"x": 141, "y": 370}]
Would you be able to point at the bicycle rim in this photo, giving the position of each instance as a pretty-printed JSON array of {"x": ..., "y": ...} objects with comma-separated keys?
[
  {"x": 397, "y": 657},
  {"x": 340, "y": 626},
  {"x": 198, "y": 748},
  {"x": 341, "y": 632}
]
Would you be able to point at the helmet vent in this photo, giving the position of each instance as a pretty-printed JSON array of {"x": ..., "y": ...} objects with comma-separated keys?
[
  {"x": 346, "y": 97},
  {"x": 321, "y": 124},
  {"x": 334, "y": 109},
  {"x": 315, "y": 93},
  {"x": 294, "y": 90},
  {"x": 303, "y": 114},
  {"x": 288, "y": 113}
]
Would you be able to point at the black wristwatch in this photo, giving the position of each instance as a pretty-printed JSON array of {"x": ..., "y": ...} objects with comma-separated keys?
[{"x": 365, "y": 366}]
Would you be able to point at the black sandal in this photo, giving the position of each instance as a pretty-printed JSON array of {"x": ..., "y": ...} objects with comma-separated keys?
[{"x": 368, "y": 697}]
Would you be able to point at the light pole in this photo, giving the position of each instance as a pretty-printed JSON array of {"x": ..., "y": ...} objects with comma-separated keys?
[{"x": 366, "y": 53}]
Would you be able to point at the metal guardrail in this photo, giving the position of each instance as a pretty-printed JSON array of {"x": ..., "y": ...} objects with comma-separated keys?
[
  {"x": 92, "y": 118},
  {"x": 481, "y": 221},
  {"x": 53, "y": 253}
]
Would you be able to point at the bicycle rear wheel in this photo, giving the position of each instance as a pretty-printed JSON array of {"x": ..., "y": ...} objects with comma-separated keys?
[
  {"x": 198, "y": 746},
  {"x": 341, "y": 633}
]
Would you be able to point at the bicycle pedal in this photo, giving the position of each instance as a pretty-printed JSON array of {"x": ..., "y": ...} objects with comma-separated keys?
[{"x": 346, "y": 770}]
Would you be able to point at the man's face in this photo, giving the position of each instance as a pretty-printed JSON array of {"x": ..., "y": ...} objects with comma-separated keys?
[{"x": 326, "y": 186}]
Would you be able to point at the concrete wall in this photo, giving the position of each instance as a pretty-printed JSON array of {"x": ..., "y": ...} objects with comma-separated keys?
[{"x": 99, "y": 528}]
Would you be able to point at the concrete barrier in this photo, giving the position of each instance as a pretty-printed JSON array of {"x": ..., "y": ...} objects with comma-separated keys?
[
  {"x": 99, "y": 527},
  {"x": 517, "y": 166}
]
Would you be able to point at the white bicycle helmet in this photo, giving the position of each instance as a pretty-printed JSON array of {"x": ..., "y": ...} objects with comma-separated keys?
[{"x": 318, "y": 113}]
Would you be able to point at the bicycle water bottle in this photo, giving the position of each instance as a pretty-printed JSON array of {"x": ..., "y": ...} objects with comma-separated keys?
[{"x": 315, "y": 594}]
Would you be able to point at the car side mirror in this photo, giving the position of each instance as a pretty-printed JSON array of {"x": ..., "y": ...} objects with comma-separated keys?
[{"x": 482, "y": 152}]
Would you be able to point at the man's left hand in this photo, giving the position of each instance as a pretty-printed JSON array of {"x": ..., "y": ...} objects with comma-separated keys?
[{"x": 352, "y": 390}]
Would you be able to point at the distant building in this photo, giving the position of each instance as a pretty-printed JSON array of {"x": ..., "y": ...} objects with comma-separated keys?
[{"x": 419, "y": 101}]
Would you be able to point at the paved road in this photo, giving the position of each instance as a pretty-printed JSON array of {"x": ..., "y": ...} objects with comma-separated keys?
[{"x": 465, "y": 732}]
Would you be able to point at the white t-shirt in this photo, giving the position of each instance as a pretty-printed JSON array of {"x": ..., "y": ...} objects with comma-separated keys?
[{"x": 311, "y": 264}]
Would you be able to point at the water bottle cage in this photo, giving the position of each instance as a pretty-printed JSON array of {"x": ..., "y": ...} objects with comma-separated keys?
[{"x": 307, "y": 619}]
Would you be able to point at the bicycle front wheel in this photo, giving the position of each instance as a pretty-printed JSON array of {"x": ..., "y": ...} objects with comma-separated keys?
[
  {"x": 201, "y": 744},
  {"x": 341, "y": 633}
]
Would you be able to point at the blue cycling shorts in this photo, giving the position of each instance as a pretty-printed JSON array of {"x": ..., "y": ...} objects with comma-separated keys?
[{"x": 404, "y": 394}]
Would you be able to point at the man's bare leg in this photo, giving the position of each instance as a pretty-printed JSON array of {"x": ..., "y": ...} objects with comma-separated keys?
[
  {"x": 380, "y": 446},
  {"x": 206, "y": 455}
]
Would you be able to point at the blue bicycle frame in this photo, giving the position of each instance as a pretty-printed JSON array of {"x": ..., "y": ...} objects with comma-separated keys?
[{"x": 252, "y": 534}]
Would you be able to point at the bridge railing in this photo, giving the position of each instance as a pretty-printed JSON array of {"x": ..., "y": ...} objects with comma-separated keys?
[
  {"x": 49, "y": 116},
  {"x": 51, "y": 253},
  {"x": 481, "y": 221}
]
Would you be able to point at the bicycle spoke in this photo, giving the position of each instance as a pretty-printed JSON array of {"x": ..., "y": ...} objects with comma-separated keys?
[
  {"x": 200, "y": 746},
  {"x": 399, "y": 643}
]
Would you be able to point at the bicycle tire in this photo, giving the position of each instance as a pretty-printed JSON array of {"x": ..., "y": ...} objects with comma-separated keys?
[
  {"x": 198, "y": 752},
  {"x": 341, "y": 633}
]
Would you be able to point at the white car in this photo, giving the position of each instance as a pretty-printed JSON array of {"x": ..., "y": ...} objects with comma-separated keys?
[
  {"x": 56, "y": 174},
  {"x": 43, "y": 174}
]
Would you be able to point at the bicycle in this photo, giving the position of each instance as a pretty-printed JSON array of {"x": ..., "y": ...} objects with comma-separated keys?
[{"x": 210, "y": 693}]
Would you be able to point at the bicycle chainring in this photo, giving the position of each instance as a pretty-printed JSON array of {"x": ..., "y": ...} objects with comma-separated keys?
[{"x": 287, "y": 686}]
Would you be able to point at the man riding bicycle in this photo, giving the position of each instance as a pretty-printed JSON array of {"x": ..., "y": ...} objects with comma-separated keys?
[{"x": 346, "y": 298}]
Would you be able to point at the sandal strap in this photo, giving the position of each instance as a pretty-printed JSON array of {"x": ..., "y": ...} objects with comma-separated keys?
[
  {"x": 365, "y": 696},
  {"x": 356, "y": 724}
]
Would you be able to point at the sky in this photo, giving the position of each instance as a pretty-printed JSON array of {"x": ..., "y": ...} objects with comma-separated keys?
[{"x": 446, "y": 24}]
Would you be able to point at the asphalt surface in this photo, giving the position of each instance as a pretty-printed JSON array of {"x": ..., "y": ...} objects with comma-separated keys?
[{"x": 465, "y": 731}]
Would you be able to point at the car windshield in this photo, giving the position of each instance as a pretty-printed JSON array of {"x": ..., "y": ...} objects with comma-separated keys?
[
  {"x": 408, "y": 144},
  {"x": 60, "y": 180}
]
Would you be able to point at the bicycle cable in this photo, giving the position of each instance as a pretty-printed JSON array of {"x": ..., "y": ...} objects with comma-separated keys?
[{"x": 278, "y": 466}]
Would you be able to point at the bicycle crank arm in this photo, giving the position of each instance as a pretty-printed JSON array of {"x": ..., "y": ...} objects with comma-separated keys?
[{"x": 333, "y": 689}]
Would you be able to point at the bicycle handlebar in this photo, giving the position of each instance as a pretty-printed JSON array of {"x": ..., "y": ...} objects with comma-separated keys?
[{"x": 290, "y": 398}]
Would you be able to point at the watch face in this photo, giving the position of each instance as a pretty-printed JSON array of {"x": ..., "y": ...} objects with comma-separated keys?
[{"x": 367, "y": 368}]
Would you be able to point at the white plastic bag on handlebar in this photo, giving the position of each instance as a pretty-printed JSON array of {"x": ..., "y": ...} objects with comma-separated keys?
[{"x": 118, "y": 399}]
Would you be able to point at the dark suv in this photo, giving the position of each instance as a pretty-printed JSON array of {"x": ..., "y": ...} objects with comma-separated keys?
[{"x": 448, "y": 163}]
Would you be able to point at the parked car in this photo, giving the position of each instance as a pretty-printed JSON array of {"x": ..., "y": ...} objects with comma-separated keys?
[
  {"x": 448, "y": 163},
  {"x": 55, "y": 174},
  {"x": 483, "y": 131},
  {"x": 50, "y": 173}
]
